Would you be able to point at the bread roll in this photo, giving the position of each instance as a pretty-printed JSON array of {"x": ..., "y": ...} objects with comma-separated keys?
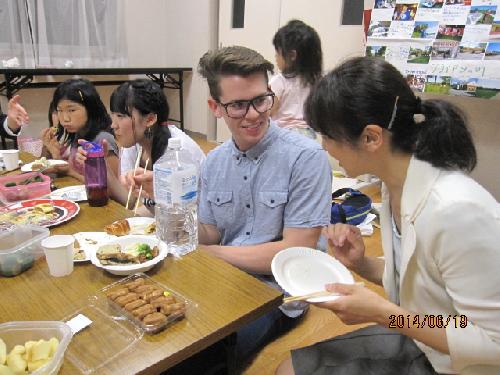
[{"x": 118, "y": 228}]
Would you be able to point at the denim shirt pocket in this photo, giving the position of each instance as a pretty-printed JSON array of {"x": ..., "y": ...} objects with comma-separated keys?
[
  {"x": 272, "y": 207},
  {"x": 222, "y": 204}
]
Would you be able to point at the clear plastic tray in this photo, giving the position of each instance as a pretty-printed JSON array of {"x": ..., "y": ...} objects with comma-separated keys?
[
  {"x": 19, "y": 247},
  {"x": 102, "y": 296},
  {"x": 107, "y": 337},
  {"x": 17, "y": 333}
]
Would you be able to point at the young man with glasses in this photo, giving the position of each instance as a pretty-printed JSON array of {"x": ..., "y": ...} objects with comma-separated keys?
[{"x": 264, "y": 190}]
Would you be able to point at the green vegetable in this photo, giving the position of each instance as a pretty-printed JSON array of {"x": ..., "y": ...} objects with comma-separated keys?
[
  {"x": 145, "y": 249},
  {"x": 10, "y": 184}
]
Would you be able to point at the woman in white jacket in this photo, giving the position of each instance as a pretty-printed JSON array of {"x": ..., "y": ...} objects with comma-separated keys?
[{"x": 440, "y": 233}]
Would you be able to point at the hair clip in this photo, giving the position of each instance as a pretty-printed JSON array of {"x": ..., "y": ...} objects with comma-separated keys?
[
  {"x": 394, "y": 111},
  {"x": 81, "y": 96},
  {"x": 418, "y": 118}
]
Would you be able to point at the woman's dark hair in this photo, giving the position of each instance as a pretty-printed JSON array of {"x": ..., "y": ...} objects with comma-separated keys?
[
  {"x": 304, "y": 40},
  {"x": 368, "y": 90},
  {"x": 146, "y": 97},
  {"x": 83, "y": 92}
]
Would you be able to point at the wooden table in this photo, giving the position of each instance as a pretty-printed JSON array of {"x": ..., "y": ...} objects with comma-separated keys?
[{"x": 226, "y": 298}]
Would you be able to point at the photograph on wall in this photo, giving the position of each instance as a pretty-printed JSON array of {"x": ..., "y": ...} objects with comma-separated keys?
[
  {"x": 475, "y": 87},
  {"x": 452, "y": 32},
  {"x": 425, "y": 29},
  {"x": 437, "y": 84},
  {"x": 471, "y": 51},
  {"x": 416, "y": 82},
  {"x": 481, "y": 15},
  {"x": 431, "y": 4},
  {"x": 458, "y": 2},
  {"x": 379, "y": 29},
  {"x": 375, "y": 51},
  {"x": 495, "y": 30},
  {"x": 419, "y": 55},
  {"x": 444, "y": 49},
  {"x": 384, "y": 4},
  {"x": 405, "y": 12},
  {"x": 492, "y": 51}
]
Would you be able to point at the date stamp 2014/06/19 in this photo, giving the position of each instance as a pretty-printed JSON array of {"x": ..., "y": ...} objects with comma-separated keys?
[{"x": 429, "y": 320}]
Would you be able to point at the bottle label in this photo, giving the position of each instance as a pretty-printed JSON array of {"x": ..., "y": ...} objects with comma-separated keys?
[{"x": 176, "y": 187}]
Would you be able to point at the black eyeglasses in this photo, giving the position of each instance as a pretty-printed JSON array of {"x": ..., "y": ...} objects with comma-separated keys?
[{"x": 239, "y": 108}]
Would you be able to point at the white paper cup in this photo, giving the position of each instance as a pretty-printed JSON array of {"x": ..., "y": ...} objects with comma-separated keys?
[
  {"x": 10, "y": 159},
  {"x": 59, "y": 254}
]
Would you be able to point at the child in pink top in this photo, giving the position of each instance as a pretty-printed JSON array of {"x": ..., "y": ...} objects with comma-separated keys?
[{"x": 299, "y": 58}]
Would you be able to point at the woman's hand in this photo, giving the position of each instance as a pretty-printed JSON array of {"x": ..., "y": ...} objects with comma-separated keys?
[
  {"x": 346, "y": 244},
  {"x": 50, "y": 143},
  {"x": 142, "y": 177},
  {"x": 357, "y": 305}
]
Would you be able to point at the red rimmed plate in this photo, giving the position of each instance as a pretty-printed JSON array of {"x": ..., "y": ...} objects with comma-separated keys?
[{"x": 22, "y": 212}]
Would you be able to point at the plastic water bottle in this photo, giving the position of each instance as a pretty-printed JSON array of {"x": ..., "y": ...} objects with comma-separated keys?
[{"x": 175, "y": 179}]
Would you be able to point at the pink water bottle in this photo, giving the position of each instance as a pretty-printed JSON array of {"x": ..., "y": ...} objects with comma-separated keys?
[{"x": 96, "y": 181}]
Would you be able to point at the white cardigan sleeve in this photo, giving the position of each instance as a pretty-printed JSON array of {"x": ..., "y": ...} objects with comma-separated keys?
[{"x": 467, "y": 252}]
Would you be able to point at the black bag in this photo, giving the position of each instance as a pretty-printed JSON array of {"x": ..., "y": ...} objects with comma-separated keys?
[{"x": 353, "y": 209}]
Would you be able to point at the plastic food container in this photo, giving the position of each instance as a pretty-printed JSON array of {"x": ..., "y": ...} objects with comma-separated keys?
[
  {"x": 17, "y": 333},
  {"x": 175, "y": 315},
  {"x": 19, "y": 247},
  {"x": 23, "y": 192},
  {"x": 114, "y": 334}
]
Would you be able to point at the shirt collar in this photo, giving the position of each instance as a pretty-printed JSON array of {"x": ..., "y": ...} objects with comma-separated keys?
[{"x": 256, "y": 152}]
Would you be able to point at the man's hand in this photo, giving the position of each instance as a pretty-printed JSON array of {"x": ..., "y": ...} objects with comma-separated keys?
[{"x": 16, "y": 114}]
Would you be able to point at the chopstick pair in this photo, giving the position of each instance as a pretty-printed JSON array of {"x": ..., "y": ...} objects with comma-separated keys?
[
  {"x": 136, "y": 165},
  {"x": 140, "y": 189},
  {"x": 321, "y": 293}
]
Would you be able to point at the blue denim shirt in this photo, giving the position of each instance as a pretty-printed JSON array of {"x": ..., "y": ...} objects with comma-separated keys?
[{"x": 283, "y": 181}]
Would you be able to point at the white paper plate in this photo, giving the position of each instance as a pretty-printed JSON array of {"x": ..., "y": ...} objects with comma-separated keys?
[
  {"x": 74, "y": 193},
  {"x": 51, "y": 162},
  {"x": 124, "y": 241},
  {"x": 90, "y": 242},
  {"x": 138, "y": 225},
  {"x": 301, "y": 270}
]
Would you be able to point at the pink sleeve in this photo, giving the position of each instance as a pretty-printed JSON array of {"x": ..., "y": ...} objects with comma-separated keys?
[{"x": 277, "y": 85}]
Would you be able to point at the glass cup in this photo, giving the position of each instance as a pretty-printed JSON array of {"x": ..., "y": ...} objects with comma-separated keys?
[
  {"x": 59, "y": 254},
  {"x": 10, "y": 159}
]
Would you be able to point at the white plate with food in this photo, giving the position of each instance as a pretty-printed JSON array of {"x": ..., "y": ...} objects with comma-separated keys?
[
  {"x": 41, "y": 163},
  {"x": 44, "y": 212},
  {"x": 129, "y": 254},
  {"x": 87, "y": 243},
  {"x": 302, "y": 270},
  {"x": 132, "y": 225}
]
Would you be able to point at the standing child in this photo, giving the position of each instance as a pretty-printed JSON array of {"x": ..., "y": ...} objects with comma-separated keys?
[{"x": 299, "y": 57}]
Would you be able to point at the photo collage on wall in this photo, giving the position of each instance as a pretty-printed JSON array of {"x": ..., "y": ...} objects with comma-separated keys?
[{"x": 441, "y": 46}]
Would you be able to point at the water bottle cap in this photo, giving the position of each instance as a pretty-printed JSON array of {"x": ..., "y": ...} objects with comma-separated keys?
[
  {"x": 94, "y": 150},
  {"x": 174, "y": 143}
]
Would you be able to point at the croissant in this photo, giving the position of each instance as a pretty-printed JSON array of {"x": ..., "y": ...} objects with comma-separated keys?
[{"x": 118, "y": 228}]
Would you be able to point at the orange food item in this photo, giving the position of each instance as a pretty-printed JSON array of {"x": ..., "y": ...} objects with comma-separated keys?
[{"x": 118, "y": 228}]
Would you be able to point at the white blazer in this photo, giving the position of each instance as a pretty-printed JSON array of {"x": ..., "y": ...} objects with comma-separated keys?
[{"x": 450, "y": 263}]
